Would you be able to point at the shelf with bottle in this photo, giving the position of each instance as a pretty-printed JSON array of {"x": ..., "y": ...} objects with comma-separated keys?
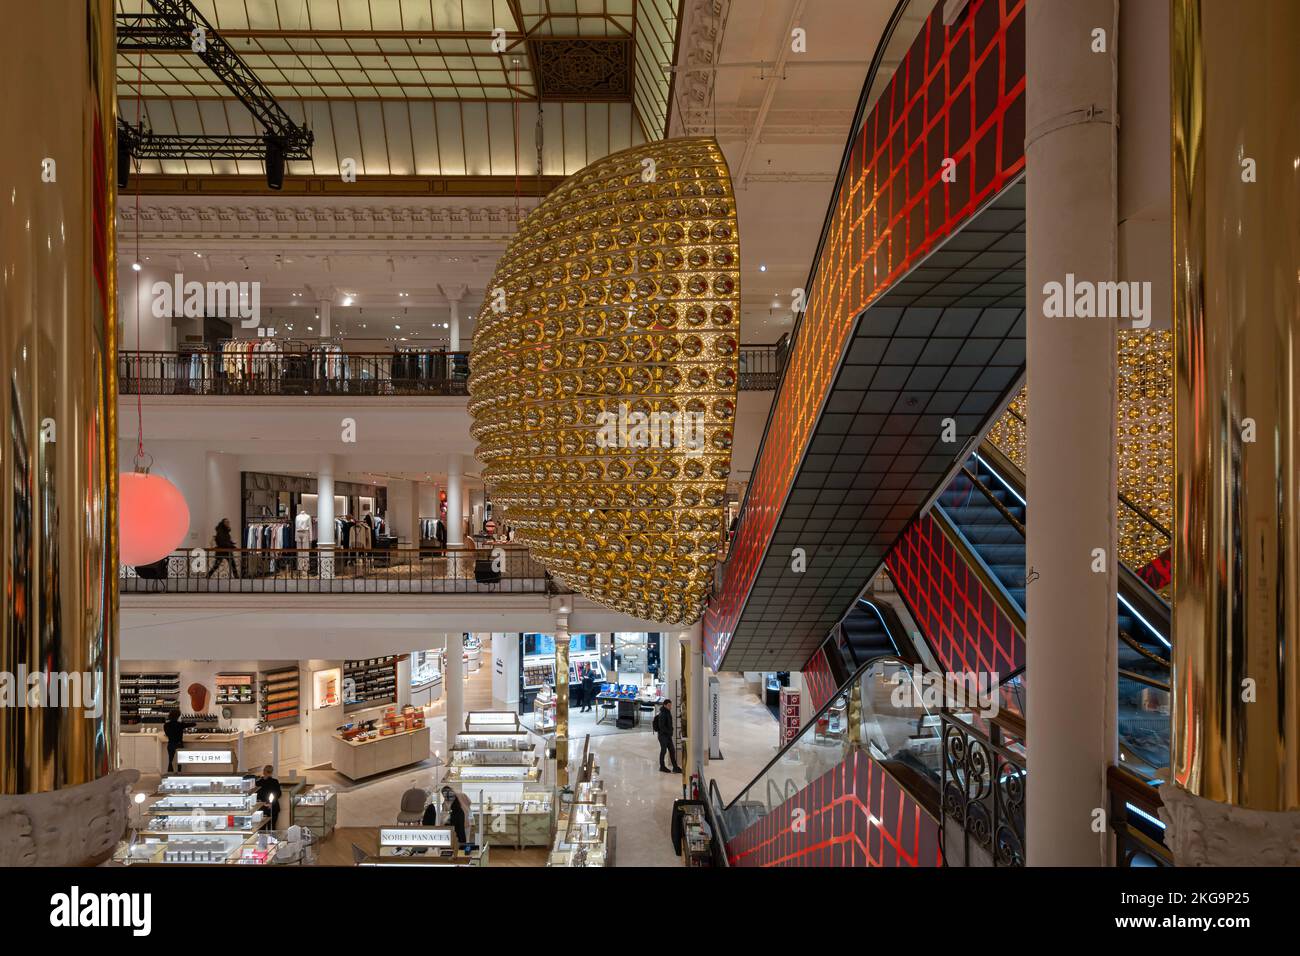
[
  {"x": 369, "y": 682},
  {"x": 279, "y": 696},
  {"x": 234, "y": 689},
  {"x": 147, "y": 697}
]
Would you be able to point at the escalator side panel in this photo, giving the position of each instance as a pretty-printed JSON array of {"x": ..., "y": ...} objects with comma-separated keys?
[
  {"x": 967, "y": 630},
  {"x": 853, "y": 815},
  {"x": 819, "y": 678}
]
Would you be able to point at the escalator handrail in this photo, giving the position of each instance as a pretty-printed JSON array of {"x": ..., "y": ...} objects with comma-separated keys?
[
  {"x": 812, "y": 724},
  {"x": 1134, "y": 643},
  {"x": 993, "y": 500},
  {"x": 988, "y": 580},
  {"x": 864, "y": 102},
  {"x": 715, "y": 814}
]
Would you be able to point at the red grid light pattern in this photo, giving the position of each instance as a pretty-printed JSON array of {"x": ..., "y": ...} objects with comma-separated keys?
[
  {"x": 853, "y": 815},
  {"x": 967, "y": 630},
  {"x": 819, "y": 680},
  {"x": 959, "y": 93}
]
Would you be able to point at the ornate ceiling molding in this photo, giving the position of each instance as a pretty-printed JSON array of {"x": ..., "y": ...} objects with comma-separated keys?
[{"x": 290, "y": 219}]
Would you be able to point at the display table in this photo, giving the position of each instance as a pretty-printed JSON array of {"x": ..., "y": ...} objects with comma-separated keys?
[{"x": 356, "y": 759}]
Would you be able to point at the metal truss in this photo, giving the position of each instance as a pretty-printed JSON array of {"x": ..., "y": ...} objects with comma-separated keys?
[{"x": 177, "y": 26}]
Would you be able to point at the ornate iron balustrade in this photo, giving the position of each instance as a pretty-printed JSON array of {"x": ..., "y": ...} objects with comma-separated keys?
[
  {"x": 982, "y": 793},
  {"x": 307, "y": 372},
  {"x": 499, "y": 569}
]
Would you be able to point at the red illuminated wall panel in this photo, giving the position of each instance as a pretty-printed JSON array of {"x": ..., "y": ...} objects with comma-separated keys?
[
  {"x": 959, "y": 93},
  {"x": 818, "y": 679},
  {"x": 967, "y": 630},
  {"x": 854, "y": 815}
]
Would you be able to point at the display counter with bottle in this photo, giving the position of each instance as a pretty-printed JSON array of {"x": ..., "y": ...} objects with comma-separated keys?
[
  {"x": 316, "y": 808},
  {"x": 201, "y": 818},
  {"x": 365, "y": 756},
  {"x": 583, "y": 836}
]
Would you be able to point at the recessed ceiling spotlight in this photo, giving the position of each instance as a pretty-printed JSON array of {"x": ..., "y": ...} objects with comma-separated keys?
[
  {"x": 310, "y": 329},
  {"x": 136, "y": 266},
  {"x": 762, "y": 268},
  {"x": 398, "y": 327}
]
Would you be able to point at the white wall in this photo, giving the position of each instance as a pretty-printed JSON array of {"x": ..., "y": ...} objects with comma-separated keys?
[
  {"x": 222, "y": 492},
  {"x": 504, "y": 651}
]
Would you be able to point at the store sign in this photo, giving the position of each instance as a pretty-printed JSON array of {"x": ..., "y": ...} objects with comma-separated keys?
[
  {"x": 205, "y": 756},
  {"x": 789, "y": 715},
  {"x": 715, "y": 719},
  {"x": 415, "y": 836},
  {"x": 492, "y": 718}
]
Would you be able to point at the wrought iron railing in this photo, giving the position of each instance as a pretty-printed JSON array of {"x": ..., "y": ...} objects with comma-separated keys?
[
  {"x": 503, "y": 568},
  {"x": 983, "y": 793},
  {"x": 307, "y": 372}
]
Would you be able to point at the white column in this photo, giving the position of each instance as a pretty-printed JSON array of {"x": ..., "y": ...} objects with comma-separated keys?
[
  {"x": 455, "y": 502},
  {"x": 454, "y": 326},
  {"x": 562, "y": 695},
  {"x": 325, "y": 513},
  {"x": 1071, "y": 539},
  {"x": 453, "y": 680},
  {"x": 697, "y": 723},
  {"x": 413, "y": 515},
  {"x": 323, "y": 323}
]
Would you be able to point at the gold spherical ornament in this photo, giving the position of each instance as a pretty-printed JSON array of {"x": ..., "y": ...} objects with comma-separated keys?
[{"x": 603, "y": 390}]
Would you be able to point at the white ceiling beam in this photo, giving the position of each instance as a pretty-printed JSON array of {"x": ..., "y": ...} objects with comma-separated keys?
[{"x": 769, "y": 92}]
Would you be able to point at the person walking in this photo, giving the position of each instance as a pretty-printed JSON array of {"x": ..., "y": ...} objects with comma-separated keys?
[
  {"x": 225, "y": 546},
  {"x": 663, "y": 726},
  {"x": 454, "y": 814}
]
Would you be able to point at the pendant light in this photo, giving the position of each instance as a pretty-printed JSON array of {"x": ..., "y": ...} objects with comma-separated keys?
[{"x": 152, "y": 516}]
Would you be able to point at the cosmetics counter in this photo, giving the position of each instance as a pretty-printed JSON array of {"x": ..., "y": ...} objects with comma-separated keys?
[
  {"x": 499, "y": 771},
  {"x": 423, "y": 846},
  {"x": 583, "y": 836},
  {"x": 368, "y": 747},
  {"x": 203, "y": 818},
  {"x": 316, "y": 808}
]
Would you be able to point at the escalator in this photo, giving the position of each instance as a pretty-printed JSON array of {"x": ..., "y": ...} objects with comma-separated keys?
[
  {"x": 990, "y": 487},
  {"x": 982, "y": 511},
  {"x": 868, "y": 796}
]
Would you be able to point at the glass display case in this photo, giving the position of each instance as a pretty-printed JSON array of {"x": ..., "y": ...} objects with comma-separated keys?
[
  {"x": 317, "y": 809},
  {"x": 426, "y": 667},
  {"x": 543, "y": 714}
]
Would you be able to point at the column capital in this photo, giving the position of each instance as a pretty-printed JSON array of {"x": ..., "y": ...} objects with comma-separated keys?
[
  {"x": 453, "y": 293},
  {"x": 1205, "y": 832}
]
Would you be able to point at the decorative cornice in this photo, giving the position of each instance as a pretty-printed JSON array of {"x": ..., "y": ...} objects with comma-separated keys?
[
  {"x": 334, "y": 187},
  {"x": 320, "y": 218}
]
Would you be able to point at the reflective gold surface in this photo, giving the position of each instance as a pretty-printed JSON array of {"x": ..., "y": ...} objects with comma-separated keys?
[
  {"x": 58, "y": 551},
  {"x": 1237, "y": 329},
  {"x": 618, "y": 302}
]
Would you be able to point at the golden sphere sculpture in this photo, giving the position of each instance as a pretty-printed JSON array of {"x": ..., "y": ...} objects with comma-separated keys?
[{"x": 603, "y": 377}]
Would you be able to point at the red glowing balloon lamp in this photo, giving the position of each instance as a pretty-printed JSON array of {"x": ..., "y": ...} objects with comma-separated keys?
[{"x": 152, "y": 517}]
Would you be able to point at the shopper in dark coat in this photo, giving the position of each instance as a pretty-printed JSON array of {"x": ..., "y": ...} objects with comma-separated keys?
[
  {"x": 225, "y": 545},
  {"x": 268, "y": 787},
  {"x": 588, "y": 691},
  {"x": 663, "y": 725},
  {"x": 455, "y": 811},
  {"x": 174, "y": 730}
]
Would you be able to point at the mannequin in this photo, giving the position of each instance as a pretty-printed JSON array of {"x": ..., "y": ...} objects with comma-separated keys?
[{"x": 302, "y": 537}]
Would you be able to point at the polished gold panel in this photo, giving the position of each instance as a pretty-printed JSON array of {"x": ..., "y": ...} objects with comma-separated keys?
[
  {"x": 58, "y": 549},
  {"x": 604, "y": 377},
  {"x": 1236, "y": 687}
]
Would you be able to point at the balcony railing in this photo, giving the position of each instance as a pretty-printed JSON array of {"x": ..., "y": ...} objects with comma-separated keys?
[
  {"x": 501, "y": 569},
  {"x": 983, "y": 791},
  {"x": 314, "y": 372},
  {"x": 311, "y": 372}
]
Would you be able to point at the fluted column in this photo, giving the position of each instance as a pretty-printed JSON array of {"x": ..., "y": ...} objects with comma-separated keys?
[
  {"x": 562, "y": 694},
  {"x": 325, "y": 514},
  {"x": 61, "y": 801}
]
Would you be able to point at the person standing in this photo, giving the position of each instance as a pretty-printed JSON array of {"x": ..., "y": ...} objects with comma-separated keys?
[
  {"x": 174, "y": 729},
  {"x": 663, "y": 726},
  {"x": 454, "y": 813},
  {"x": 588, "y": 691},
  {"x": 268, "y": 787},
  {"x": 225, "y": 545}
]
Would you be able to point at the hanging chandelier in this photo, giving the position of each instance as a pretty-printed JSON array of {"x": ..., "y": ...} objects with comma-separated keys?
[{"x": 603, "y": 382}]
